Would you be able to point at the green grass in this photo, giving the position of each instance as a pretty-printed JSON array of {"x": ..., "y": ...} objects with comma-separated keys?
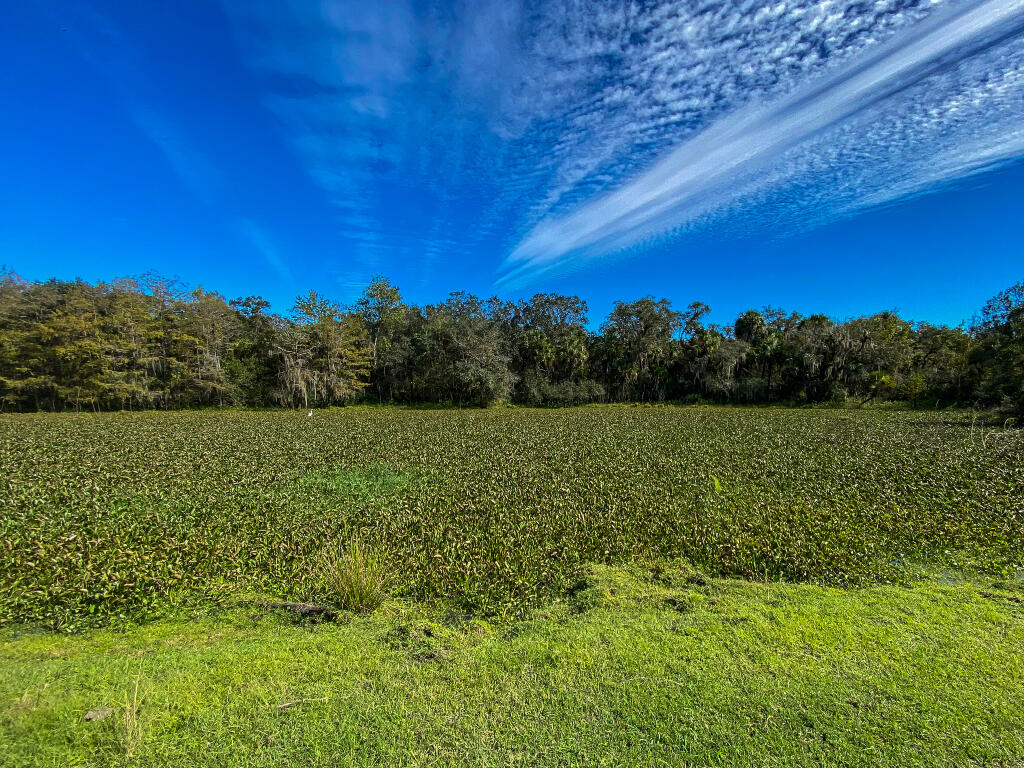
[
  {"x": 634, "y": 668},
  {"x": 125, "y": 516}
]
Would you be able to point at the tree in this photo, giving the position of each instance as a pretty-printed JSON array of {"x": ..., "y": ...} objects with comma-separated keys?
[
  {"x": 460, "y": 354},
  {"x": 997, "y": 360},
  {"x": 148, "y": 342},
  {"x": 252, "y": 359},
  {"x": 549, "y": 348},
  {"x": 883, "y": 357},
  {"x": 325, "y": 354},
  {"x": 1001, "y": 308},
  {"x": 27, "y": 367},
  {"x": 940, "y": 361},
  {"x": 638, "y": 347},
  {"x": 209, "y": 325},
  {"x": 383, "y": 314}
]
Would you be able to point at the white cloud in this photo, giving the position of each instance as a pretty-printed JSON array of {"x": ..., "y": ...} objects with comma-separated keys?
[
  {"x": 767, "y": 149},
  {"x": 574, "y": 129}
]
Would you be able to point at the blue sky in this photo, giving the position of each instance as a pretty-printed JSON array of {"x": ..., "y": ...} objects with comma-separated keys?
[{"x": 837, "y": 156}]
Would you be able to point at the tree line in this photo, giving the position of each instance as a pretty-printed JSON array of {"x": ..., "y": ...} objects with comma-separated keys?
[{"x": 151, "y": 343}]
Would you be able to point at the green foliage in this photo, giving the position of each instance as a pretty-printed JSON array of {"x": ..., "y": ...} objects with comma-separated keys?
[
  {"x": 638, "y": 345},
  {"x": 149, "y": 343},
  {"x": 488, "y": 512},
  {"x": 998, "y": 357},
  {"x": 325, "y": 355}
]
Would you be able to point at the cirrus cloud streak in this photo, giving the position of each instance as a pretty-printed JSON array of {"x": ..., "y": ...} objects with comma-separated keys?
[{"x": 941, "y": 100}]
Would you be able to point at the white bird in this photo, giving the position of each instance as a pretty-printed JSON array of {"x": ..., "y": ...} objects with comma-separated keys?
[{"x": 309, "y": 412}]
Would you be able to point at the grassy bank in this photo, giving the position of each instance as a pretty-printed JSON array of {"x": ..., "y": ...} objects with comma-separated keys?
[{"x": 635, "y": 668}]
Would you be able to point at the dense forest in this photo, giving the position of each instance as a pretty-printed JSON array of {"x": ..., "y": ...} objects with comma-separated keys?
[{"x": 150, "y": 343}]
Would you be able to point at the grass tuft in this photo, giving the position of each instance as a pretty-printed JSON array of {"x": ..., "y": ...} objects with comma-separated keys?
[
  {"x": 356, "y": 577},
  {"x": 132, "y": 725}
]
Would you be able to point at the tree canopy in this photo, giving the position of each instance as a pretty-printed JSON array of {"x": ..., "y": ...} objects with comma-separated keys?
[{"x": 149, "y": 342}]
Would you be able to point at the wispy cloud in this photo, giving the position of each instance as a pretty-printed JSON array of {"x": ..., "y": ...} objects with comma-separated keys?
[
  {"x": 261, "y": 242},
  {"x": 944, "y": 79},
  {"x": 396, "y": 110},
  {"x": 191, "y": 166},
  {"x": 569, "y": 130},
  {"x": 121, "y": 63}
]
